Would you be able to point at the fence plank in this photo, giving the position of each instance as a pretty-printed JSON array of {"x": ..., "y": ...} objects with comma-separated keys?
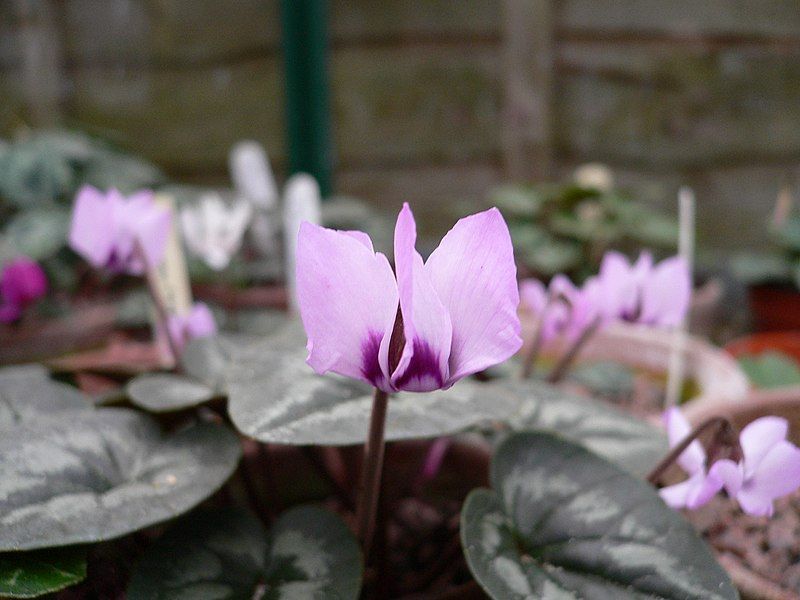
[
  {"x": 750, "y": 18},
  {"x": 649, "y": 105}
]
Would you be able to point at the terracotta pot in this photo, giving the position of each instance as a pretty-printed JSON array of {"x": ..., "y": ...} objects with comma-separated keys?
[
  {"x": 775, "y": 307},
  {"x": 716, "y": 373},
  {"x": 787, "y": 342}
]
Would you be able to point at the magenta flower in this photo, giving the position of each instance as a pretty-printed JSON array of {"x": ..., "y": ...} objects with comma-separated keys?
[
  {"x": 106, "y": 227},
  {"x": 657, "y": 295},
  {"x": 22, "y": 283},
  {"x": 432, "y": 324},
  {"x": 700, "y": 486},
  {"x": 197, "y": 324},
  {"x": 770, "y": 467}
]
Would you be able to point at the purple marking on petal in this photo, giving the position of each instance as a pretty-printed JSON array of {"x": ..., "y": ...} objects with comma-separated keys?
[
  {"x": 370, "y": 366},
  {"x": 422, "y": 371}
]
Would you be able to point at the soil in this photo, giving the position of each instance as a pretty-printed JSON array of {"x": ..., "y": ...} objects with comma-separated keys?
[{"x": 767, "y": 547}]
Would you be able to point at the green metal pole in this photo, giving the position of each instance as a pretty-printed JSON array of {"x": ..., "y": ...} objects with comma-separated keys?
[{"x": 305, "y": 46}]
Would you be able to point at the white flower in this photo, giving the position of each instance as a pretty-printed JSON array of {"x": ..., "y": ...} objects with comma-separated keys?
[
  {"x": 595, "y": 176},
  {"x": 213, "y": 230}
]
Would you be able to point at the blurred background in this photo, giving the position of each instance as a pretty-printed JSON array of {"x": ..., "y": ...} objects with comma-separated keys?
[{"x": 432, "y": 102}]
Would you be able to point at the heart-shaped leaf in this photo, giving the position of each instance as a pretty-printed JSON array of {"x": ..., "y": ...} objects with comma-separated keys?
[
  {"x": 310, "y": 553},
  {"x": 276, "y": 397},
  {"x": 564, "y": 523},
  {"x": 164, "y": 392},
  {"x": 103, "y": 473},
  {"x": 207, "y": 359},
  {"x": 39, "y": 572},
  {"x": 614, "y": 434},
  {"x": 27, "y": 392}
]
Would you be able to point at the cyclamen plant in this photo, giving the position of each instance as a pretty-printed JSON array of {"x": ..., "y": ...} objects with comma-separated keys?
[
  {"x": 764, "y": 467},
  {"x": 656, "y": 295},
  {"x": 420, "y": 328}
]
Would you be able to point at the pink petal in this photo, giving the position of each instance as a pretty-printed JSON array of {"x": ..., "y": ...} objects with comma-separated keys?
[
  {"x": 348, "y": 303},
  {"x": 474, "y": 273},
  {"x": 759, "y": 437},
  {"x": 423, "y": 365},
  {"x": 777, "y": 474},
  {"x": 150, "y": 224},
  {"x": 666, "y": 293},
  {"x": 533, "y": 295},
  {"x": 693, "y": 459},
  {"x": 361, "y": 237},
  {"x": 200, "y": 322},
  {"x": 93, "y": 228},
  {"x": 706, "y": 489},
  {"x": 617, "y": 278},
  {"x": 678, "y": 495},
  {"x": 729, "y": 473}
]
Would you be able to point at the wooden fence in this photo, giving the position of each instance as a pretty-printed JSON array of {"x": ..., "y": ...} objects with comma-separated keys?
[{"x": 436, "y": 101}]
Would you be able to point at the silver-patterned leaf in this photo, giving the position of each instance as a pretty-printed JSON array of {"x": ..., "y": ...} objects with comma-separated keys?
[
  {"x": 310, "y": 553},
  {"x": 276, "y": 397},
  {"x": 164, "y": 392},
  {"x": 38, "y": 572},
  {"x": 562, "y": 523},
  {"x": 612, "y": 433},
  {"x": 101, "y": 474},
  {"x": 27, "y": 393}
]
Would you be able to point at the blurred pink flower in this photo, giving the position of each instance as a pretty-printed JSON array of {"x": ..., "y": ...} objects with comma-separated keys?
[
  {"x": 770, "y": 467},
  {"x": 642, "y": 292},
  {"x": 22, "y": 283},
  {"x": 106, "y": 226},
  {"x": 432, "y": 324},
  {"x": 562, "y": 308},
  {"x": 198, "y": 323},
  {"x": 700, "y": 486}
]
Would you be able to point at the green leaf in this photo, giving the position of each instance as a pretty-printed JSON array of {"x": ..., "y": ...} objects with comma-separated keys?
[
  {"x": 207, "y": 359},
  {"x": 612, "y": 433},
  {"x": 309, "y": 553},
  {"x": 562, "y": 523},
  {"x": 27, "y": 393},
  {"x": 39, "y": 572},
  {"x": 604, "y": 378},
  {"x": 553, "y": 257},
  {"x": 36, "y": 233},
  {"x": 164, "y": 392},
  {"x": 103, "y": 473},
  {"x": 771, "y": 369},
  {"x": 516, "y": 201},
  {"x": 759, "y": 267},
  {"x": 274, "y": 396}
]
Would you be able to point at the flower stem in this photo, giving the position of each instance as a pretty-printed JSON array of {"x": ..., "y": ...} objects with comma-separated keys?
[
  {"x": 529, "y": 358},
  {"x": 563, "y": 365},
  {"x": 161, "y": 309},
  {"x": 723, "y": 425},
  {"x": 369, "y": 488}
]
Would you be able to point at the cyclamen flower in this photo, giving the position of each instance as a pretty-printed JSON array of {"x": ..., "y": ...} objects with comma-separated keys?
[
  {"x": 770, "y": 468},
  {"x": 197, "y": 324},
  {"x": 22, "y": 283},
  {"x": 213, "y": 230},
  {"x": 106, "y": 226},
  {"x": 432, "y": 324},
  {"x": 562, "y": 308},
  {"x": 657, "y": 295},
  {"x": 700, "y": 487}
]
